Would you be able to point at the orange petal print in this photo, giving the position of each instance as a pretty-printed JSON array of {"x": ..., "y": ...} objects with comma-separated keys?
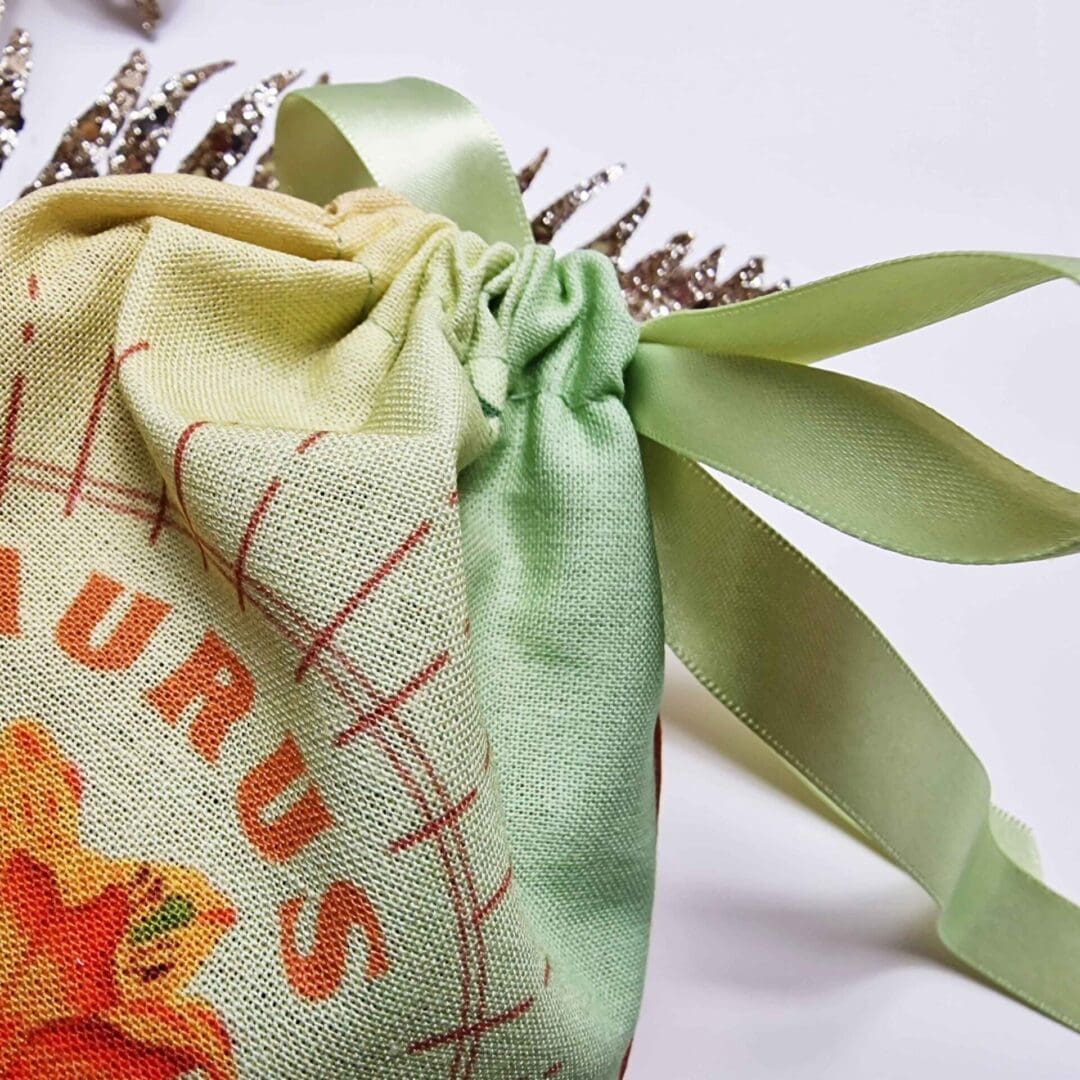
[{"x": 95, "y": 953}]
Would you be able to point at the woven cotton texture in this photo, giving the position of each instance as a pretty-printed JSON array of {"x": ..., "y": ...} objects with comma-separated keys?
[{"x": 331, "y": 642}]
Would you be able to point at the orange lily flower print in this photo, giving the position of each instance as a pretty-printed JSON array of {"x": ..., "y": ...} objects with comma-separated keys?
[{"x": 95, "y": 953}]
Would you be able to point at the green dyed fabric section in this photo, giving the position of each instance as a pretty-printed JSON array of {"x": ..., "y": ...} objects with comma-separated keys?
[{"x": 567, "y": 628}]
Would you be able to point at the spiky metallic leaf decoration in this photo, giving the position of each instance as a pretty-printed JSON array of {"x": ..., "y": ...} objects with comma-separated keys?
[
  {"x": 660, "y": 282},
  {"x": 151, "y": 124},
  {"x": 89, "y": 135},
  {"x": 552, "y": 218},
  {"x": 149, "y": 12},
  {"x": 528, "y": 174},
  {"x": 234, "y": 130},
  {"x": 14, "y": 71}
]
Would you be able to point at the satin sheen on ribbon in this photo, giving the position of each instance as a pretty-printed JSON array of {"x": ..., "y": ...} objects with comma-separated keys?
[
  {"x": 418, "y": 138},
  {"x": 758, "y": 624}
]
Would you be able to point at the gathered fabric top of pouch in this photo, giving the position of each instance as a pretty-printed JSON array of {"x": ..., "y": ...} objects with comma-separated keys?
[{"x": 346, "y": 339}]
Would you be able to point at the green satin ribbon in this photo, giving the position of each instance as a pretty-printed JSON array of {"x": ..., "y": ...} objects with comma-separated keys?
[
  {"x": 867, "y": 460},
  {"x": 770, "y": 636},
  {"x": 418, "y": 138}
]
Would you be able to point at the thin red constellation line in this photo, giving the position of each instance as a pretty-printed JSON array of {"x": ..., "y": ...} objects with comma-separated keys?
[
  {"x": 387, "y": 567},
  {"x": 248, "y": 538},
  {"x": 7, "y": 440},
  {"x": 178, "y": 482},
  {"x": 113, "y": 363},
  {"x": 388, "y": 708},
  {"x": 161, "y": 519},
  {"x": 471, "y": 1030},
  {"x": 428, "y": 830}
]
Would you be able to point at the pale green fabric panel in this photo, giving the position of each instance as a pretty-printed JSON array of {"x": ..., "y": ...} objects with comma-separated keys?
[
  {"x": 838, "y": 314},
  {"x": 865, "y": 459},
  {"x": 567, "y": 634},
  {"x": 797, "y": 662}
]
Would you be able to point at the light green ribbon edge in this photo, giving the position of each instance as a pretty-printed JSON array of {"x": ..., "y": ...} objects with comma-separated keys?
[{"x": 769, "y": 635}]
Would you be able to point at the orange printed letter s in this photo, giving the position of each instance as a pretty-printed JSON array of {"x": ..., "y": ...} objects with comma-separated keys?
[{"x": 318, "y": 975}]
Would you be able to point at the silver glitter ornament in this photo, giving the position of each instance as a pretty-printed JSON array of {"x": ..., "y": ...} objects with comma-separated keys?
[
  {"x": 528, "y": 174},
  {"x": 149, "y": 12},
  {"x": 550, "y": 220},
  {"x": 614, "y": 238},
  {"x": 14, "y": 71},
  {"x": 661, "y": 281}
]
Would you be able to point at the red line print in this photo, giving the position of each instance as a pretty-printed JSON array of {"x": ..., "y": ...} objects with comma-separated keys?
[
  {"x": 434, "y": 827},
  {"x": 323, "y": 638},
  {"x": 390, "y": 705},
  {"x": 410, "y": 784},
  {"x": 467, "y": 1031},
  {"x": 159, "y": 517},
  {"x": 7, "y": 440},
  {"x": 88, "y": 498},
  {"x": 88, "y": 481},
  {"x": 178, "y": 476},
  {"x": 29, "y": 330},
  {"x": 310, "y": 441},
  {"x": 131, "y": 350},
  {"x": 112, "y": 365},
  {"x": 497, "y": 897},
  {"x": 284, "y": 617},
  {"x": 453, "y": 499},
  {"x": 553, "y": 1070},
  {"x": 248, "y": 538}
]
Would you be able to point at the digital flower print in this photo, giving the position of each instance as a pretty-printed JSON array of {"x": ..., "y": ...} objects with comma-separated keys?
[{"x": 95, "y": 953}]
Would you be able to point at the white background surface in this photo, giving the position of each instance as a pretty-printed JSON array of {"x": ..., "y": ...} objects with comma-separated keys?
[{"x": 826, "y": 134}]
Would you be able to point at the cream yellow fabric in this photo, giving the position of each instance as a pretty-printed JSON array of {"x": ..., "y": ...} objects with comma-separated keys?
[{"x": 261, "y": 820}]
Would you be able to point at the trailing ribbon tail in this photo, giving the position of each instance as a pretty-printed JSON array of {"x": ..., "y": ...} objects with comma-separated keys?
[
  {"x": 837, "y": 314},
  {"x": 790, "y": 655},
  {"x": 783, "y": 648},
  {"x": 867, "y": 460}
]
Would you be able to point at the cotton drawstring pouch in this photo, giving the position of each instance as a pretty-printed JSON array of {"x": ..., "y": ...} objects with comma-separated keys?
[{"x": 340, "y": 535}]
